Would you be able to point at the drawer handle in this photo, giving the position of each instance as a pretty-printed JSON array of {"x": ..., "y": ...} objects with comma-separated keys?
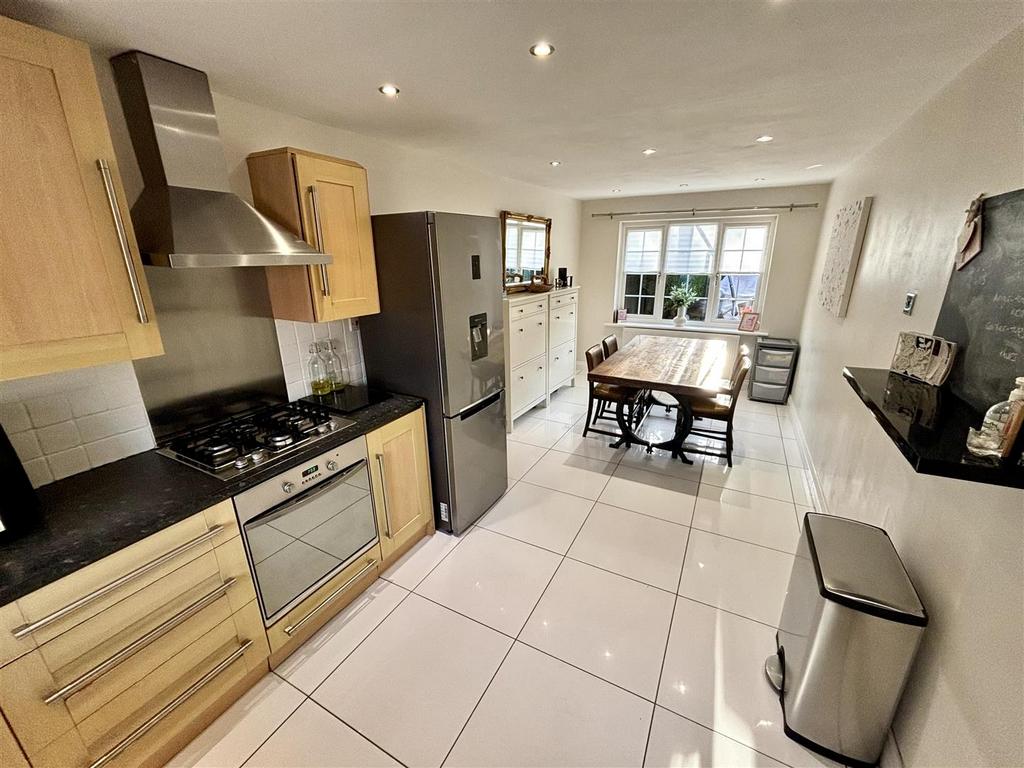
[
  {"x": 540, "y": 322},
  {"x": 384, "y": 494},
  {"x": 522, "y": 378},
  {"x": 540, "y": 367},
  {"x": 27, "y": 629},
  {"x": 122, "y": 240},
  {"x": 172, "y": 705},
  {"x": 522, "y": 330},
  {"x": 571, "y": 314},
  {"x": 130, "y": 650},
  {"x": 291, "y": 630}
]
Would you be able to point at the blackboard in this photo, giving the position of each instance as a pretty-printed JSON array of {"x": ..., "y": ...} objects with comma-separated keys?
[{"x": 983, "y": 310}]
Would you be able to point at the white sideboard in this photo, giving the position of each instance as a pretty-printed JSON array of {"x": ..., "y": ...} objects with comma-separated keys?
[{"x": 540, "y": 348}]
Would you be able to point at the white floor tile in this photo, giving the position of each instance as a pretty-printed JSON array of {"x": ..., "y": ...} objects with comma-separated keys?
[
  {"x": 714, "y": 675},
  {"x": 315, "y": 659},
  {"x": 577, "y": 394},
  {"x": 662, "y": 462},
  {"x": 235, "y": 735},
  {"x": 757, "y": 519},
  {"x": 492, "y": 578},
  {"x": 573, "y": 474},
  {"x": 763, "y": 478},
  {"x": 605, "y": 624},
  {"x": 634, "y": 545},
  {"x": 736, "y": 576},
  {"x": 794, "y": 457},
  {"x": 522, "y": 456},
  {"x": 415, "y": 564},
  {"x": 787, "y": 422},
  {"x": 541, "y": 712},
  {"x": 312, "y": 737},
  {"x": 800, "y": 512},
  {"x": 650, "y": 493},
  {"x": 592, "y": 446},
  {"x": 539, "y": 432},
  {"x": 800, "y": 480},
  {"x": 413, "y": 684},
  {"x": 559, "y": 410},
  {"x": 759, "y": 423},
  {"x": 680, "y": 743},
  {"x": 657, "y": 427},
  {"x": 746, "y": 406},
  {"x": 761, "y": 447},
  {"x": 539, "y": 516}
]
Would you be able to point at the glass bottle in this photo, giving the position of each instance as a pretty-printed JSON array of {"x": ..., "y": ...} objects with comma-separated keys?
[
  {"x": 319, "y": 380},
  {"x": 335, "y": 370},
  {"x": 1000, "y": 427}
]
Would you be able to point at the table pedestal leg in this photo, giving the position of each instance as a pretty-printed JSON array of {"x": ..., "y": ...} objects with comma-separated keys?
[{"x": 684, "y": 423}]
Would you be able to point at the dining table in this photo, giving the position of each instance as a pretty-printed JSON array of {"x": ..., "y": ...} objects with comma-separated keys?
[{"x": 682, "y": 368}]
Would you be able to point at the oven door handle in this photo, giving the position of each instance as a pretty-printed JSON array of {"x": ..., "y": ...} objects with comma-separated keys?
[{"x": 306, "y": 496}]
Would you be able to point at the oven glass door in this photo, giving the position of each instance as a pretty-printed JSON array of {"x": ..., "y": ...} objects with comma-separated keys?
[{"x": 300, "y": 544}]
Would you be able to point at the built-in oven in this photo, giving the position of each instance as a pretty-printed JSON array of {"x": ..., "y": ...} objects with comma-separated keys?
[{"x": 306, "y": 524}]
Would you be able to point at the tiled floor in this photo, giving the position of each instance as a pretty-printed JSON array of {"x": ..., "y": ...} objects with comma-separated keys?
[{"x": 613, "y": 608}]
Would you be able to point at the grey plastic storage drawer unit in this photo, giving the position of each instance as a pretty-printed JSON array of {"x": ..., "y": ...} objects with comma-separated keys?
[
  {"x": 849, "y": 631},
  {"x": 771, "y": 378}
]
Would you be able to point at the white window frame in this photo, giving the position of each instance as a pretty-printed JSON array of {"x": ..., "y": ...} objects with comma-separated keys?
[{"x": 710, "y": 320}]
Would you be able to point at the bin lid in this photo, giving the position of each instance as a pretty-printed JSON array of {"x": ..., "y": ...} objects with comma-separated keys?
[{"x": 857, "y": 565}]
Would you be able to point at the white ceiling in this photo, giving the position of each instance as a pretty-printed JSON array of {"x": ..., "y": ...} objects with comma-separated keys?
[{"x": 697, "y": 80}]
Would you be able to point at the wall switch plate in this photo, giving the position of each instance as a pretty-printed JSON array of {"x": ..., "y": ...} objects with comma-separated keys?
[{"x": 908, "y": 303}]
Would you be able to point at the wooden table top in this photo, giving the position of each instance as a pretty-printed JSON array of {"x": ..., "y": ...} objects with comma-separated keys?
[{"x": 667, "y": 364}]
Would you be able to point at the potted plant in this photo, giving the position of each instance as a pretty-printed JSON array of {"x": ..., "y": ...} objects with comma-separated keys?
[{"x": 680, "y": 298}]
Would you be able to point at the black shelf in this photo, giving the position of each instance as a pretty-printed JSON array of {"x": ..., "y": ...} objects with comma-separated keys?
[{"x": 929, "y": 425}]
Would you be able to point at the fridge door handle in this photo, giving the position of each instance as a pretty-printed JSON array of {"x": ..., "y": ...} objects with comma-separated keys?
[{"x": 479, "y": 405}]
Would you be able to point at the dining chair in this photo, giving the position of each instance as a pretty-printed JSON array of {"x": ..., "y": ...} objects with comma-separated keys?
[
  {"x": 605, "y": 396},
  {"x": 610, "y": 345},
  {"x": 721, "y": 408}
]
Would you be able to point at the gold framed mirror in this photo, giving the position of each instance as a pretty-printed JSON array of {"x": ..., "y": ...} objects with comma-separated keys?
[{"x": 525, "y": 249}]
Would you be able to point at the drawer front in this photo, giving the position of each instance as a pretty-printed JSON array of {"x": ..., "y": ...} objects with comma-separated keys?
[
  {"x": 527, "y": 339},
  {"x": 563, "y": 325},
  {"x": 562, "y": 364},
  {"x": 525, "y": 307},
  {"x": 11, "y": 647},
  {"x": 528, "y": 382},
  {"x": 782, "y": 358},
  {"x": 11, "y": 755},
  {"x": 563, "y": 300},
  {"x": 765, "y": 375},
  {"x": 773, "y": 393}
]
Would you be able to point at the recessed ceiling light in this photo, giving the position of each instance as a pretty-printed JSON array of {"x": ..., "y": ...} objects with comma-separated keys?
[
  {"x": 684, "y": 185},
  {"x": 542, "y": 50},
  {"x": 555, "y": 163},
  {"x": 649, "y": 151},
  {"x": 760, "y": 178},
  {"x": 816, "y": 165},
  {"x": 764, "y": 139},
  {"x": 616, "y": 190},
  {"x": 389, "y": 90}
]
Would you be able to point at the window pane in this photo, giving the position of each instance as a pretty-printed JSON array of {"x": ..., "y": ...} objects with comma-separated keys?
[
  {"x": 647, "y": 306},
  {"x": 738, "y": 286},
  {"x": 730, "y": 310},
  {"x": 733, "y": 239},
  {"x": 511, "y": 236},
  {"x": 643, "y": 250},
  {"x": 632, "y": 284},
  {"x": 699, "y": 283},
  {"x": 649, "y": 284},
  {"x": 756, "y": 237},
  {"x": 751, "y": 261},
  {"x": 698, "y": 310},
  {"x": 631, "y": 305},
  {"x": 690, "y": 247}
]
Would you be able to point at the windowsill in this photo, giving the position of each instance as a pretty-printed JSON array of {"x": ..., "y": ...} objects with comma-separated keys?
[{"x": 688, "y": 328}]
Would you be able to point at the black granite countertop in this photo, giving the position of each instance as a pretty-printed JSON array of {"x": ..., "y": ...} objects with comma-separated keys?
[
  {"x": 94, "y": 514},
  {"x": 929, "y": 425}
]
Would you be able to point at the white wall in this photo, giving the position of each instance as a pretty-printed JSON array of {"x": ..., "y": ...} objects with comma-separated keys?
[
  {"x": 963, "y": 543},
  {"x": 796, "y": 239}
]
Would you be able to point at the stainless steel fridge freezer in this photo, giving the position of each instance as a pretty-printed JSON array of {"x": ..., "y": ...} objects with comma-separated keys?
[{"x": 439, "y": 336}]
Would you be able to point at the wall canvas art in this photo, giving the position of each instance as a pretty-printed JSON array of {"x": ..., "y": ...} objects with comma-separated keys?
[{"x": 844, "y": 246}]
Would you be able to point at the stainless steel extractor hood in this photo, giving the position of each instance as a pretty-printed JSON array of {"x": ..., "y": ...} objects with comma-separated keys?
[{"x": 187, "y": 215}]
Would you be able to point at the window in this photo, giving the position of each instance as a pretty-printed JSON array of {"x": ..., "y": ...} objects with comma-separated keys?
[
  {"x": 524, "y": 246},
  {"x": 722, "y": 261}
]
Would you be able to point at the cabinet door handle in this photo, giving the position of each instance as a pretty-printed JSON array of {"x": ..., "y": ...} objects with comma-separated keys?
[
  {"x": 314, "y": 203},
  {"x": 293, "y": 628},
  {"x": 122, "y": 239},
  {"x": 27, "y": 629},
  {"x": 384, "y": 494},
  {"x": 132, "y": 648},
  {"x": 522, "y": 330},
  {"x": 522, "y": 378},
  {"x": 572, "y": 313},
  {"x": 541, "y": 323},
  {"x": 172, "y": 705}
]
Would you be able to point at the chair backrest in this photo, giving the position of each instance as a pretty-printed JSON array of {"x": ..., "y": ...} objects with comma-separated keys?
[
  {"x": 742, "y": 354},
  {"x": 737, "y": 384},
  {"x": 610, "y": 345},
  {"x": 595, "y": 356}
]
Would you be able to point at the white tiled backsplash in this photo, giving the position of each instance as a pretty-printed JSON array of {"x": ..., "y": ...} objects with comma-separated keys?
[
  {"x": 294, "y": 340},
  {"x": 64, "y": 423}
]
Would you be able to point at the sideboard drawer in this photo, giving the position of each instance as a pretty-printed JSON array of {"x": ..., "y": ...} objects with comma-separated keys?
[
  {"x": 518, "y": 308},
  {"x": 562, "y": 364},
  {"x": 527, "y": 337},
  {"x": 527, "y": 384},
  {"x": 563, "y": 325}
]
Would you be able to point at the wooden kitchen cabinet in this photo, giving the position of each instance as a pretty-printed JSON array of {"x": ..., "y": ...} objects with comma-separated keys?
[
  {"x": 325, "y": 201},
  {"x": 400, "y": 482},
  {"x": 72, "y": 289}
]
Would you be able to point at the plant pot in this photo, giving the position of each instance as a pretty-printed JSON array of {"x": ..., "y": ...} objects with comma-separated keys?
[{"x": 680, "y": 319}]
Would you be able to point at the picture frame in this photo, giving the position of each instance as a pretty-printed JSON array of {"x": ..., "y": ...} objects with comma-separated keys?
[{"x": 750, "y": 321}]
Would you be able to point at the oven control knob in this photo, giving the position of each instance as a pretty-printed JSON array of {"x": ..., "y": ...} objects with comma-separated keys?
[
  {"x": 332, "y": 465},
  {"x": 287, "y": 486}
]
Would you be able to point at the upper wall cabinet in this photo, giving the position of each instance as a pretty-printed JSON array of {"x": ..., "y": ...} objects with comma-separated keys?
[
  {"x": 324, "y": 200},
  {"x": 72, "y": 289}
]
